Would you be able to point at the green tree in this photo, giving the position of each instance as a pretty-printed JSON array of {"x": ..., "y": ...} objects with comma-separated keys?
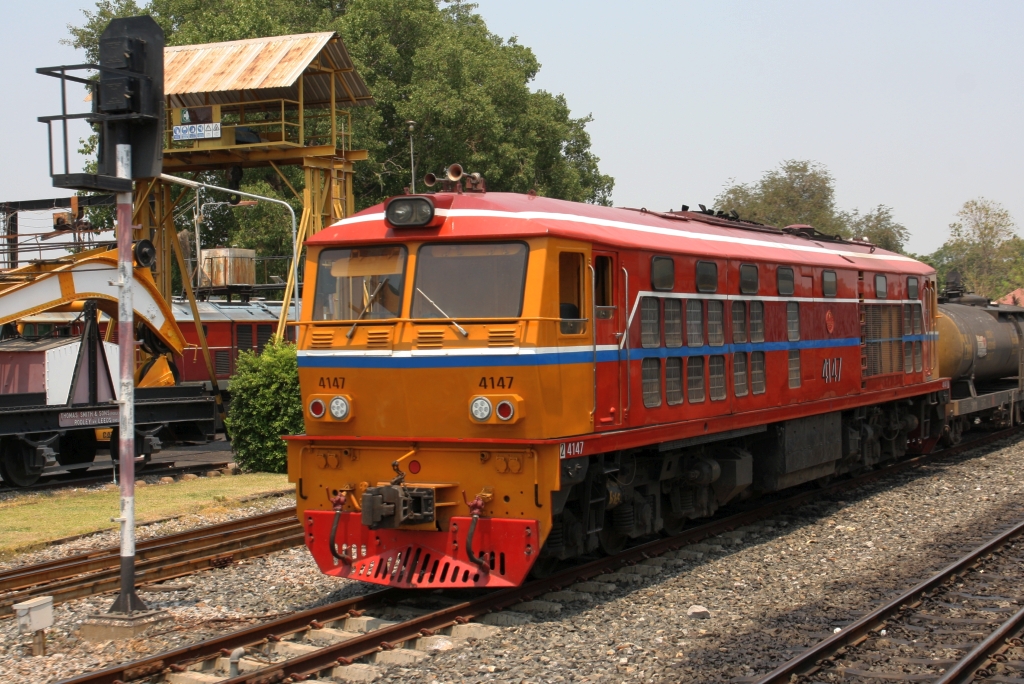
[
  {"x": 265, "y": 404},
  {"x": 424, "y": 60},
  {"x": 797, "y": 192},
  {"x": 879, "y": 227},
  {"x": 984, "y": 247}
]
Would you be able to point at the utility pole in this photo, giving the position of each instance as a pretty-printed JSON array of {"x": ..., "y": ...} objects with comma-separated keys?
[{"x": 412, "y": 156}]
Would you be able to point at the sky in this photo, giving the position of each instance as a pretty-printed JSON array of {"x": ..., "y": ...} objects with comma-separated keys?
[{"x": 915, "y": 105}]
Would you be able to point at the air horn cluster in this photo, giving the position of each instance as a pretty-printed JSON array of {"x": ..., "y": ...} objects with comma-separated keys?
[{"x": 452, "y": 178}]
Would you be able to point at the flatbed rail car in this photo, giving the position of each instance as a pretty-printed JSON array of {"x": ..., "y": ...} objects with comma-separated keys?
[
  {"x": 493, "y": 383},
  {"x": 56, "y": 391}
]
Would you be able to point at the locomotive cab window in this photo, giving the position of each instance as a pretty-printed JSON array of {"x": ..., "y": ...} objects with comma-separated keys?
[
  {"x": 363, "y": 282},
  {"x": 785, "y": 281},
  {"x": 828, "y": 283},
  {"x": 707, "y": 276},
  {"x": 912, "y": 288},
  {"x": 604, "y": 297},
  {"x": 748, "y": 279},
  {"x": 480, "y": 280},
  {"x": 570, "y": 293},
  {"x": 880, "y": 287},
  {"x": 663, "y": 273}
]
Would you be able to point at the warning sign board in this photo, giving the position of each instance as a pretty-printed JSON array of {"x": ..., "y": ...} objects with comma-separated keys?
[{"x": 196, "y": 131}]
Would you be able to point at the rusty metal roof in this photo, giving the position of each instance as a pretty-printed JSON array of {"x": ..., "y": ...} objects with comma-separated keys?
[{"x": 263, "y": 69}]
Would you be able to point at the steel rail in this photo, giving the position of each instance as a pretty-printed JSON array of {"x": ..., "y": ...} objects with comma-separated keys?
[
  {"x": 30, "y": 575},
  {"x": 854, "y": 633},
  {"x": 163, "y": 560},
  {"x": 391, "y": 636},
  {"x": 965, "y": 669}
]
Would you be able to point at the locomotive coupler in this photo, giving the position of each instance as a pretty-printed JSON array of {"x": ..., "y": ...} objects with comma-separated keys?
[{"x": 391, "y": 506}]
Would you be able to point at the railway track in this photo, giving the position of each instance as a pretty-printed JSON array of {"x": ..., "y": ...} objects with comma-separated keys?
[
  {"x": 157, "y": 559},
  {"x": 963, "y": 623},
  {"x": 393, "y": 626}
]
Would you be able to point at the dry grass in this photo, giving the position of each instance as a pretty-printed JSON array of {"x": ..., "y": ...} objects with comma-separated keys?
[{"x": 30, "y": 520}]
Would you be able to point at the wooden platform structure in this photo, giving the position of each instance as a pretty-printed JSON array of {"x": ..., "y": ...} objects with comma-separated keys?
[{"x": 262, "y": 102}]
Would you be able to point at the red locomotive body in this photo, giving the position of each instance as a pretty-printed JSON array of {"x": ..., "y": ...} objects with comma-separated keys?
[{"x": 665, "y": 363}]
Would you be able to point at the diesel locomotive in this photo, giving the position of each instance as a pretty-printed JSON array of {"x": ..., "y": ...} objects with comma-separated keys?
[{"x": 493, "y": 383}]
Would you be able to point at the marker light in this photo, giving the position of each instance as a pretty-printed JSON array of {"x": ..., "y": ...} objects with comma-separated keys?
[
  {"x": 505, "y": 410},
  {"x": 414, "y": 467},
  {"x": 409, "y": 212},
  {"x": 317, "y": 408},
  {"x": 481, "y": 408},
  {"x": 339, "y": 408}
]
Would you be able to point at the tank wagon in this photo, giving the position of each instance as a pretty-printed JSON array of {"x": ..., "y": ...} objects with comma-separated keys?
[{"x": 493, "y": 383}]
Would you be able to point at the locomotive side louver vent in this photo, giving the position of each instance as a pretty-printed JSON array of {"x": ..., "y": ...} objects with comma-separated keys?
[
  {"x": 322, "y": 339},
  {"x": 378, "y": 339},
  {"x": 430, "y": 338},
  {"x": 501, "y": 337}
]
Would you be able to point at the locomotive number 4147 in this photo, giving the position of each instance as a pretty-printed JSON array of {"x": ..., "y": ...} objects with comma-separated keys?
[{"x": 832, "y": 369}]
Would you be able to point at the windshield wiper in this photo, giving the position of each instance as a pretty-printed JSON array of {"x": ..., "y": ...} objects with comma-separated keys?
[
  {"x": 450, "y": 320},
  {"x": 369, "y": 304}
]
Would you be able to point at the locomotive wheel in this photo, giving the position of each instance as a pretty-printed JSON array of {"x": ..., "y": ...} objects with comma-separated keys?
[
  {"x": 671, "y": 526},
  {"x": 15, "y": 463},
  {"x": 77, "y": 446},
  {"x": 612, "y": 542}
]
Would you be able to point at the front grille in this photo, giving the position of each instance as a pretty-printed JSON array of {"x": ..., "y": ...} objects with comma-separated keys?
[
  {"x": 501, "y": 337},
  {"x": 378, "y": 339},
  {"x": 430, "y": 338},
  {"x": 322, "y": 339}
]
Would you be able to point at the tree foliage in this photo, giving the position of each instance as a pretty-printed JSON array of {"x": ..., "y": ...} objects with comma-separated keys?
[
  {"x": 265, "y": 404},
  {"x": 428, "y": 61},
  {"x": 803, "y": 192},
  {"x": 984, "y": 247}
]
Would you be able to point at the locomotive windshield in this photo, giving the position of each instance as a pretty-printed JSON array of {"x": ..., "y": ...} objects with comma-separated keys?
[
  {"x": 470, "y": 280},
  {"x": 364, "y": 282}
]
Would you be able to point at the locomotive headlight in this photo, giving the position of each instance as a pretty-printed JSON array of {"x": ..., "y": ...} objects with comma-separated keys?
[
  {"x": 480, "y": 408},
  {"x": 339, "y": 408},
  {"x": 317, "y": 408},
  {"x": 409, "y": 212}
]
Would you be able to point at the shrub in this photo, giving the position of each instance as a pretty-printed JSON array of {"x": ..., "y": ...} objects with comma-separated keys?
[{"x": 265, "y": 404}]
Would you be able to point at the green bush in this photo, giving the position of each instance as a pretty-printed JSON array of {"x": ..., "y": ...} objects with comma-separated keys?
[{"x": 265, "y": 404}]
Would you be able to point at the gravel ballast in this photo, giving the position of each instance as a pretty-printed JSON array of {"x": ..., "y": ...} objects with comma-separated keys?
[{"x": 771, "y": 590}]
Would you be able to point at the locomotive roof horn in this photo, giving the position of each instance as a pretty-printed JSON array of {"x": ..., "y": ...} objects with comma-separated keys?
[
  {"x": 454, "y": 173},
  {"x": 452, "y": 177}
]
